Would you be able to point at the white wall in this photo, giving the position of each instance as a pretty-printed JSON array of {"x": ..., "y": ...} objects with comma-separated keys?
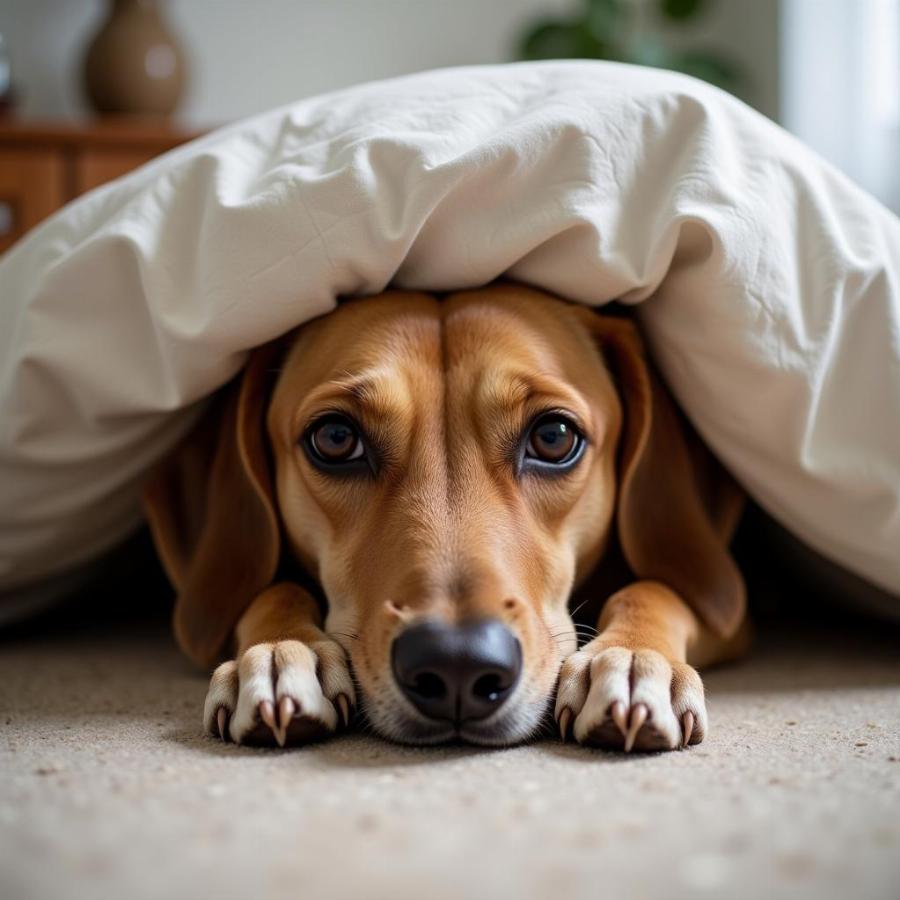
[{"x": 248, "y": 56}]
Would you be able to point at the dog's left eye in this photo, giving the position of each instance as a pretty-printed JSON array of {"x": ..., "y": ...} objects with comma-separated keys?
[
  {"x": 334, "y": 440},
  {"x": 555, "y": 440}
]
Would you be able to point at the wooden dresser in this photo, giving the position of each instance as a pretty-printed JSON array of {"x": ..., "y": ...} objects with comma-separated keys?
[{"x": 44, "y": 165}]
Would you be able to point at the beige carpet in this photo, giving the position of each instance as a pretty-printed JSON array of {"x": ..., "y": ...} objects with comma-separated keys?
[{"x": 108, "y": 790}]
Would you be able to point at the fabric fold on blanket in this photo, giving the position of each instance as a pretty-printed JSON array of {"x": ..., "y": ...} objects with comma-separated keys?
[{"x": 767, "y": 284}]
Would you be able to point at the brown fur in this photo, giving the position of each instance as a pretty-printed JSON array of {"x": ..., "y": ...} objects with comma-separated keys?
[{"x": 447, "y": 529}]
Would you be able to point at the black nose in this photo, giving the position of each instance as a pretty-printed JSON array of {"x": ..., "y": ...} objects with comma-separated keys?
[{"x": 457, "y": 672}]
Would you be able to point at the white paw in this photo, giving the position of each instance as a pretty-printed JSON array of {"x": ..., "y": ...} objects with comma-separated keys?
[
  {"x": 630, "y": 699},
  {"x": 285, "y": 693}
]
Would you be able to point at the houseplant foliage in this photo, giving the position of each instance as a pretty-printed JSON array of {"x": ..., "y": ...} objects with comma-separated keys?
[{"x": 628, "y": 31}]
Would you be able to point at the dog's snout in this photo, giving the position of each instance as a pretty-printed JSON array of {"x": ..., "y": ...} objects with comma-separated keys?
[{"x": 457, "y": 673}]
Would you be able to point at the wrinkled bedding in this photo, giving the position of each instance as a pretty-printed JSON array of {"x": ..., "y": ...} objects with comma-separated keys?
[{"x": 767, "y": 284}]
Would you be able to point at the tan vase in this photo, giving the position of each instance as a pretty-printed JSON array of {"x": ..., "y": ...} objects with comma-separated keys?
[{"x": 134, "y": 64}]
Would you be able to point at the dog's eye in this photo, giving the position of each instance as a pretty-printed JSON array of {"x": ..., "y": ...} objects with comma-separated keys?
[
  {"x": 335, "y": 440},
  {"x": 553, "y": 439}
]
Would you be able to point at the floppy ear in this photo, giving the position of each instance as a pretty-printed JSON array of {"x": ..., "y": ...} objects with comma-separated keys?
[
  {"x": 212, "y": 516},
  {"x": 677, "y": 506}
]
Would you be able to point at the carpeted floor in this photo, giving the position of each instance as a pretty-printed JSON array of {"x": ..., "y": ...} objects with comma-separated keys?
[{"x": 109, "y": 790}]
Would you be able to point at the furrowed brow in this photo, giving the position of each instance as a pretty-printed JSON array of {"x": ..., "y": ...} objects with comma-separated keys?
[
  {"x": 523, "y": 389},
  {"x": 375, "y": 398}
]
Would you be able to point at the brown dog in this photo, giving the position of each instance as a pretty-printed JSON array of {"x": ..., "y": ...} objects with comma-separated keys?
[{"x": 446, "y": 472}]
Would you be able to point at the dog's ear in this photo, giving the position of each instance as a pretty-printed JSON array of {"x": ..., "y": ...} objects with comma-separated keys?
[
  {"x": 211, "y": 512},
  {"x": 677, "y": 506}
]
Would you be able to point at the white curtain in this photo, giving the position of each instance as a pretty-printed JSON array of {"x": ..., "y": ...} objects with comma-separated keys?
[{"x": 840, "y": 92}]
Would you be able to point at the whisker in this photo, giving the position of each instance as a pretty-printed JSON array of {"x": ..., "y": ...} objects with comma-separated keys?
[
  {"x": 580, "y": 640},
  {"x": 576, "y": 632},
  {"x": 543, "y": 731},
  {"x": 580, "y": 605}
]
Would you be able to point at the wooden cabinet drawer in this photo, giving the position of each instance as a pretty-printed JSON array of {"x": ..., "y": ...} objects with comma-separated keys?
[
  {"x": 94, "y": 167},
  {"x": 44, "y": 165},
  {"x": 32, "y": 186}
]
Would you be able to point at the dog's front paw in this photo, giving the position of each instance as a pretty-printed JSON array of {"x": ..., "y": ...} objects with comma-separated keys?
[
  {"x": 285, "y": 693},
  {"x": 630, "y": 699}
]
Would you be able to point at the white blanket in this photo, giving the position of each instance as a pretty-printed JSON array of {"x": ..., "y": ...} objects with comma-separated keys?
[{"x": 769, "y": 285}]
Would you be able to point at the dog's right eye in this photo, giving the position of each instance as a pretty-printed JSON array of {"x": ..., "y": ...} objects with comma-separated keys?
[{"x": 333, "y": 441}]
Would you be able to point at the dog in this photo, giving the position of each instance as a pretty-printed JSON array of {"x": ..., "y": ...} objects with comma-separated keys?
[{"x": 394, "y": 509}]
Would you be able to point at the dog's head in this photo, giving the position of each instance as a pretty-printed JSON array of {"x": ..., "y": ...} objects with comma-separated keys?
[{"x": 447, "y": 470}]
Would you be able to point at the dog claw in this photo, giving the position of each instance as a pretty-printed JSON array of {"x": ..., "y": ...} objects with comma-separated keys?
[
  {"x": 617, "y": 712},
  {"x": 638, "y": 717},
  {"x": 344, "y": 706},
  {"x": 688, "y": 727},
  {"x": 222, "y": 722},
  {"x": 286, "y": 710},
  {"x": 564, "y": 718},
  {"x": 267, "y": 714}
]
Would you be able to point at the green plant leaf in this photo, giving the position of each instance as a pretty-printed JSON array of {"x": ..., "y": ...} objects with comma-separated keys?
[
  {"x": 606, "y": 19},
  {"x": 601, "y": 31},
  {"x": 710, "y": 66},
  {"x": 681, "y": 10},
  {"x": 556, "y": 39}
]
